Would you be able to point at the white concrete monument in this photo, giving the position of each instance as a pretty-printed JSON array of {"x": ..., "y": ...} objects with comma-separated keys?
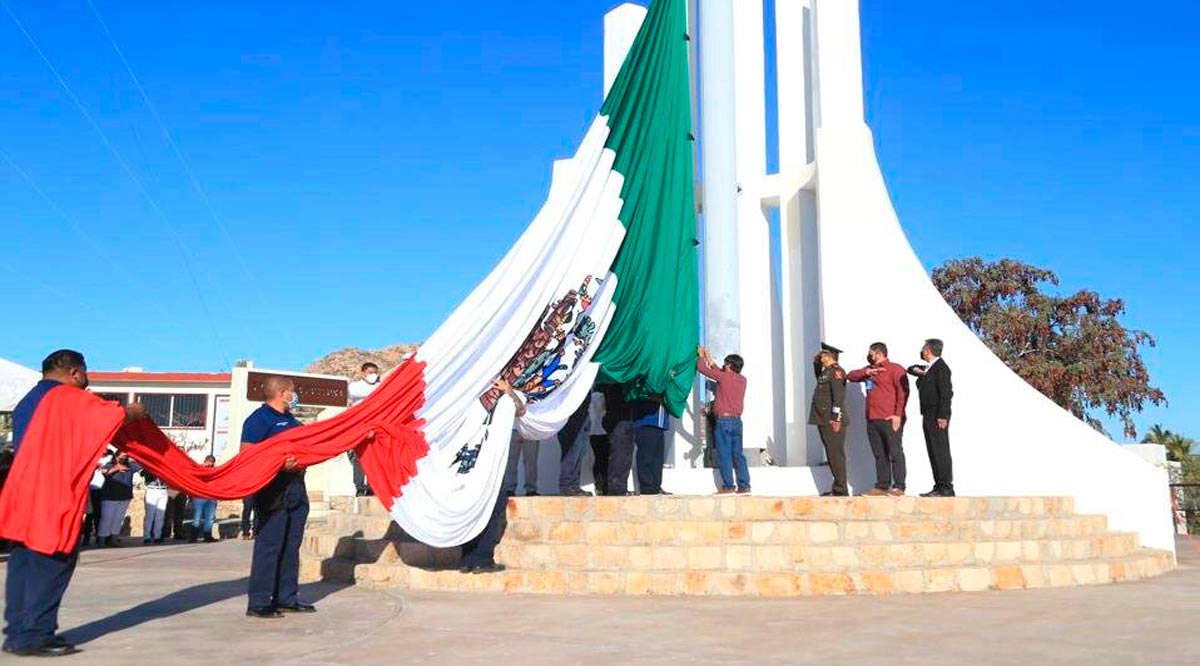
[{"x": 847, "y": 275}]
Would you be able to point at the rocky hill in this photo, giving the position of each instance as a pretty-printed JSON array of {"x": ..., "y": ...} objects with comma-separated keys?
[{"x": 346, "y": 362}]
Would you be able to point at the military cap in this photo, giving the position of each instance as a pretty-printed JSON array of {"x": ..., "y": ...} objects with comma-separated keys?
[{"x": 830, "y": 348}]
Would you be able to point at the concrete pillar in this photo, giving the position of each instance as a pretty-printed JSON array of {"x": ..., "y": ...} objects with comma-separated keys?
[
  {"x": 755, "y": 290},
  {"x": 839, "y": 67},
  {"x": 718, "y": 166},
  {"x": 797, "y": 85},
  {"x": 793, "y": 70}
]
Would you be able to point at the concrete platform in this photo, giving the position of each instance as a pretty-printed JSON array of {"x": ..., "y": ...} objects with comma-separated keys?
[
  {"x": 184, "y": 604},
  {"x": 746, "y": 546}
]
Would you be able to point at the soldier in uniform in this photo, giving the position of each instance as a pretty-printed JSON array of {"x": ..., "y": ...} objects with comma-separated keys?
[{"x": 828, "y": 413}]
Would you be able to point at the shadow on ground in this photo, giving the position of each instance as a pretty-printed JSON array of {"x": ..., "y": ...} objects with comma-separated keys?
[{"x": 182, "y": 601}]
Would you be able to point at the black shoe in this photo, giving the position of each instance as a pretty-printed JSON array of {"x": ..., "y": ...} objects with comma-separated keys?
[
  {"x": 835, "y": 493},
  {"x": 532, "y": 494},
  {"x": 574, "y": 492},
  {"x": 266, "y": 612},
  {"x": 208, "y": 538},
  {"x": 147, "y": 541},
  {"x": 55, "y": 647},
  {"x": 158, "y": 541},
  {"x": 299, "y": 607},
  {"x": 491, "y": 567},
  {"x": 938, "y": 493}
]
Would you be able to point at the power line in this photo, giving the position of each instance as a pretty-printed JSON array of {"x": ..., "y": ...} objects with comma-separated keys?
[
  {"x": 87, "y": 238},
  {"x": 183, "y": 161},
  {"x": 190, "y": 262},
  {"x": 84, "y": 305}
]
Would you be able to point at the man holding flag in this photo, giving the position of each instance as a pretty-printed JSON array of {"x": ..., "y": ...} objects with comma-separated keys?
[{"x": 41, "y": 509}]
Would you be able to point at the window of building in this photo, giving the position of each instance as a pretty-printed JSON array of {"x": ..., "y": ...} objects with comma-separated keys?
[{"x": 176, "y": 410}]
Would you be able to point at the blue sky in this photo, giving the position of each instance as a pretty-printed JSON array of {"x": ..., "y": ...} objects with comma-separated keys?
[{"x": 364, "y": 165}]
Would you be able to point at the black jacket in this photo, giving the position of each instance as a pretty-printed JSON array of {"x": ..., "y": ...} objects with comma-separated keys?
[{"x": 936, "y": 390}]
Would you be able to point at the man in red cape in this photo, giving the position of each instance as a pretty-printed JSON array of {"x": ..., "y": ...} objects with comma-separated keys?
[{"x": 59, "y": 432}]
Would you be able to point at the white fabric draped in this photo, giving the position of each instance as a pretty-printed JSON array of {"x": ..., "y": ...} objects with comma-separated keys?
[{"x": 576, "y": 235}]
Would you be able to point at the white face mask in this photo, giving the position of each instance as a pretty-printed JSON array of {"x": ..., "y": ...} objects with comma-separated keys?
[{"x": 371, "y": 378}]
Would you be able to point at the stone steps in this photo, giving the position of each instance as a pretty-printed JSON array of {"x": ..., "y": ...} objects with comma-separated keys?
[
  {"x": 655, "y": 508},
  {"x": 667, "y": 532},
  {"x": 736, "y": 557},
  {"x": 680, "y": 582},
  {"x": 772, "y": 546}
]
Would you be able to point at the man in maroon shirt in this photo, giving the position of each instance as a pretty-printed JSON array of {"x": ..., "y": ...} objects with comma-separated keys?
[
  {"x": 887, "y": 395},
  {"x": 730, "y": 397}
]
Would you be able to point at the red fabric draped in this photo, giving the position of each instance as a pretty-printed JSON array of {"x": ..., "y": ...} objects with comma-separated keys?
[
  {"x": 45, "y": 495},
  {"x": 389, "y": 460},
  {"x": 46, "y": 492}
]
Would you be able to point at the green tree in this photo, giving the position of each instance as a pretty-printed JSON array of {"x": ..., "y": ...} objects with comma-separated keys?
[
  {"x": 1072, "y": 348},
  {"x": 1179, "y": 448}
]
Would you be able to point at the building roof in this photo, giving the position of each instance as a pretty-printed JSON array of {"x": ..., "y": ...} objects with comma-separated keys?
[
  {"x": 15, "y": 382},
  {"x": 101, "y": 377}
]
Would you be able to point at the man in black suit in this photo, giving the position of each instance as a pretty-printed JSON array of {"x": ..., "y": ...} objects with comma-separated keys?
[{"x": 935, "y": 390}]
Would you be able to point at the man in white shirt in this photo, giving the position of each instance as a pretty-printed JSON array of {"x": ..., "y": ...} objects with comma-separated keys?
[{"x": 358, "y": 391}]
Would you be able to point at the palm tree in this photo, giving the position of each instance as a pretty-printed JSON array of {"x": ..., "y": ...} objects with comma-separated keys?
[
  {"x": 1179, "y": 448},
  {"x": 1158, "y": 435}
]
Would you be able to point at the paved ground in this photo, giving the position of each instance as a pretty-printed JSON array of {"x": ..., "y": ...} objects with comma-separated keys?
[{"x": 183, "y": 604}]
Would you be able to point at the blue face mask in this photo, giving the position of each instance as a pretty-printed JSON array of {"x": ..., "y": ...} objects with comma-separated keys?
[{"x": 295, "y": 401}]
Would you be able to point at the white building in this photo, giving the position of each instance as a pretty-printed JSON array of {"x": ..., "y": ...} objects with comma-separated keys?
[{"x": 192, "y": 408}]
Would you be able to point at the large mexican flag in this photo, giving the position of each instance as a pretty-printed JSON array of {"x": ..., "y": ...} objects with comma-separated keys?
[{"x": 604, "y": 280}]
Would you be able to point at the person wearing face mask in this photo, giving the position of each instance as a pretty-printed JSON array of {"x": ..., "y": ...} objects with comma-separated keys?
[
  {"x": 56, "y": 423},
  {"x": 828, "y": 414},
  {"x": 282, "y": 511},
  {"x": 887, "y": 397},
  {"x": 358, "y": 391},
  {"x": 936, "y": 391}
]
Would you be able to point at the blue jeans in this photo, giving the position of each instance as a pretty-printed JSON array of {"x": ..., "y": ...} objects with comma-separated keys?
[
  {"x": 34, "y": 588},
  {"x": 573, "y": 443},
  {"x": 203, "y": 513},
  {"x": 730, "y": 458}
]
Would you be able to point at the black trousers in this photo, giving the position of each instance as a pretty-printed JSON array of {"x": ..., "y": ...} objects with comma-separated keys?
[
  {"x": 275, "y": 567},
  {"x": 481, "y": 551},
  {"x": 888, "y": 447},
  {"x": 360, "y": 478},
  {"x": 249, "y": 516},
  {"x": 34, "y": 588},
  {"x": 91, "y": 520},
  {"x": 620, "y": 458},
  {"x": 937, "y": 443},
  {"x": 651, "y": 451},
  {"x": 176, "y": 514},
  {"x": 600, "y": 462},
  {"x": 835, "y": 453}
]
